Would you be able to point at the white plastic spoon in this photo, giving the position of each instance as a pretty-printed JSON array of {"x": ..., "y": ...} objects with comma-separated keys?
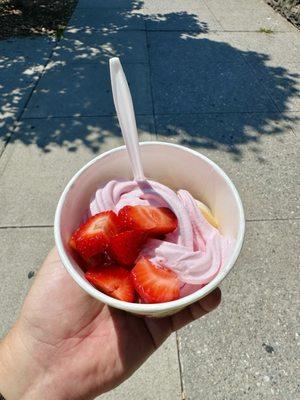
[{"x": 125, "y": 112}]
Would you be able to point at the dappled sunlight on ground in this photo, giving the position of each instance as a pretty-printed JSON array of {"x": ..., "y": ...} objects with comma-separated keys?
[{"x": 201, "y": 90}]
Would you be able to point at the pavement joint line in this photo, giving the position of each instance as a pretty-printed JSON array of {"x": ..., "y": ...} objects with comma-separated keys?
[
  {"x": 37, "y": 82},
  {"x": 81, "y": 116},
  {"x": 11, "y": 129},
  {"x": 150, "y": 81},
  {"x": 252, "y": 68},
  {"x": 102, "y": 30},
  {"x": 179, "y": 365},
  {"x": 227, "y": 112},
  {"x": 247, "y": 220},
  {"x": 79, "y": 30},
  {"x": 97, "y": 61},
  {"x": 293, "y": 128},
  {"x": 213, "y": 14},
  {"x": 18, "y": 118},
  {"x": 26, "y": 227},
  {"x": 272, "y": 219},
  {"x": 160, "y": 114},
  {"x": 211, "y": 31},
  {"x": 145, "y": 25},
  {"x": 293, "y": 132},
  {"x": 251, "y": 31}
]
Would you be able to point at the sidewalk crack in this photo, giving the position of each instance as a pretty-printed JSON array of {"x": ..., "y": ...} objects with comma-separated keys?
[
  {"x": 150, "y": 81},
  {"x": 39, "y": 77},
  {"x": 180, "y": 367}
]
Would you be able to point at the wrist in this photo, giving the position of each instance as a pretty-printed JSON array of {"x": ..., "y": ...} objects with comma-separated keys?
[{"x": 19, "y": 375}]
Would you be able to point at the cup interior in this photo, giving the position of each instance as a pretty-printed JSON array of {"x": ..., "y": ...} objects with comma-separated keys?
[{"x": 173, "y": 165}]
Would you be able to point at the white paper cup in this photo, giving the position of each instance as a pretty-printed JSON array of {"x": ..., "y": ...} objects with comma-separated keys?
[{"x": 175, "y": 166}]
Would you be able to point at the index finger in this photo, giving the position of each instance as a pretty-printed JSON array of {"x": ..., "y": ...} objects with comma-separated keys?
[{"x": 196, "y": 310}]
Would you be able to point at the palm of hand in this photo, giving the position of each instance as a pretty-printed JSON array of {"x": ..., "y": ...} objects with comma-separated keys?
[{"x": 83, "y": 347}]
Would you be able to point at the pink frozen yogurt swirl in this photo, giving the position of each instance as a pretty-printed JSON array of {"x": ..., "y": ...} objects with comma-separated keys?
[{"x": 196, "y": 251}]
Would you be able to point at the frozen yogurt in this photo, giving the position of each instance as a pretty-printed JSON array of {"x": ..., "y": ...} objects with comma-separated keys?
[{"x": 195, "y": 251}]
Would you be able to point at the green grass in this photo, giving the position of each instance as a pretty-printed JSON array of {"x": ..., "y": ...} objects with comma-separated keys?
[
  {"x": 59, "y": 33},
  {"x": 266, "y": 30}
]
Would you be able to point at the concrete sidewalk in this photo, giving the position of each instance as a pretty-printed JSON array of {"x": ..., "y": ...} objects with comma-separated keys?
[{"x": 202, "y": 75}]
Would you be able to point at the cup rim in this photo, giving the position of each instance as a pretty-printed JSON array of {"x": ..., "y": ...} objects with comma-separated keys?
[{"x": 156, "y": 307}]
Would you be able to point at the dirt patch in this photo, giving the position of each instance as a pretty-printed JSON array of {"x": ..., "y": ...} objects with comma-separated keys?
[
  {"x": 290, "y": 9},
  {"x": 34, "y": 18}
]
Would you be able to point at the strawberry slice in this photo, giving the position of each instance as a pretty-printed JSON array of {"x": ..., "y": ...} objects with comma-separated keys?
[
  {"x": 153, "y": 220},
  {"x": 125, "y": 246},
  {"x": 113, "y": 280},
  {"x": 93, "y": 237},
  {"x": 72, "y": 243},
  {"x": 98, "y": 261},
  {"x": 155, "y": 284}
]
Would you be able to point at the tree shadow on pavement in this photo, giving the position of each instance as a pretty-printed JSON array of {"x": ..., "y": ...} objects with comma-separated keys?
[{"x": 200, "y": 90}]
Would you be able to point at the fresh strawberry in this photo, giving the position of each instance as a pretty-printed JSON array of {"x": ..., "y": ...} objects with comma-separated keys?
[
  {"x": 72, "y": 243},
  {"x": 153, "y": 220},
  {"x": 125, "y": 246},
  {"x": 113, "y": 280},
  {"x": 93, "y": 237},
  {"x": 98, "y": 261},
  {"x": 155, "y": 284}
]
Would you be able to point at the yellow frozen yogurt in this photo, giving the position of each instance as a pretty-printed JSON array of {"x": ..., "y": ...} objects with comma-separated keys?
[{"x": 207, "y": 214}]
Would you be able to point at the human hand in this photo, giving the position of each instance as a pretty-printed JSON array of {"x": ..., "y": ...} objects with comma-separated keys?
[{"x": 67, "y": 345}]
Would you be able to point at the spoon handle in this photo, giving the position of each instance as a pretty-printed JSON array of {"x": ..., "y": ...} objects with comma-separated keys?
[{"x": 125, "y": 112}]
